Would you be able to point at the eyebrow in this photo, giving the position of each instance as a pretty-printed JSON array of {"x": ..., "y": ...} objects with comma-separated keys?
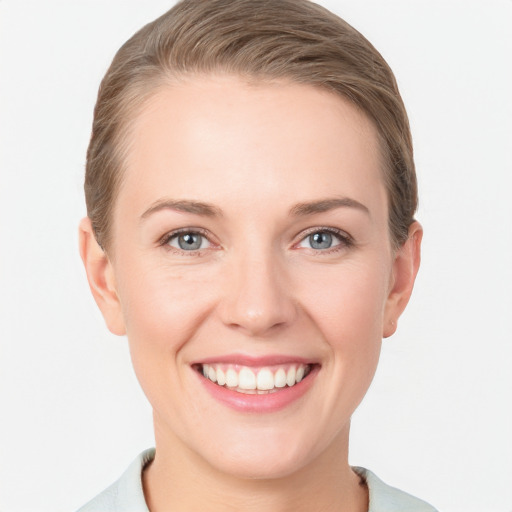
[
  {"x": 324, "y": 205},
  {"x": 209, "y": 210},
  {"x": 183, "y": 205}
]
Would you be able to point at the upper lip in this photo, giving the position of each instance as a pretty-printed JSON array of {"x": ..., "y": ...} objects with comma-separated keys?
[{"x": 254, "y": 361}]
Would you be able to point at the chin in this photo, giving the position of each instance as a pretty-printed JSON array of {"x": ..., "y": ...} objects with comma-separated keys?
[
  {"x": 261, "y": 466},
  {"x": 267, "y": 455}
]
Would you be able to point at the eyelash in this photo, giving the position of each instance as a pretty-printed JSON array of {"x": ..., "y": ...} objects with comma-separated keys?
[
  {"x": 346, "y": 241},
  {"x": 164, "y": 241}
]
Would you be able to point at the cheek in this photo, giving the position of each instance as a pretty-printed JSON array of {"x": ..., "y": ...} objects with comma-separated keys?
[
  {"x": 347, "y": 303},
  {"x": 162, "y": 309},
  {"x": 347, "y": 307}
]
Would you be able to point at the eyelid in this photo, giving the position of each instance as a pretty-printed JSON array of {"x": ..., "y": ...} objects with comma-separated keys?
[
  {"x": 165, "y": 239},
  {"x": 345, "y": 238}
]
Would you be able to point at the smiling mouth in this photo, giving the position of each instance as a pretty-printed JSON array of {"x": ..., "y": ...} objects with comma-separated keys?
[{"x": 248, "y": 380}]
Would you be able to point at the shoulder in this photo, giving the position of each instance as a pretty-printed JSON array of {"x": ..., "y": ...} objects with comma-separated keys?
[
  {"x": 126, "y": 494},
  {"x": 384, "y": 498}
]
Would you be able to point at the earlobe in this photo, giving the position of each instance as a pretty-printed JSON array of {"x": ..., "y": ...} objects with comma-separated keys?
[
  {"x": 405, "y": 269},
  {"x": 101, "y": 279}
]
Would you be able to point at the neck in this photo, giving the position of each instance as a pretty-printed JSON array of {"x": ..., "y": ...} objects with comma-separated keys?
[{"x": 181, "y": 480}]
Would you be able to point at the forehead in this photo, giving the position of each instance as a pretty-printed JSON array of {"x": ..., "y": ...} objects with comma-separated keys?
[{"x": 226, "y": 138}]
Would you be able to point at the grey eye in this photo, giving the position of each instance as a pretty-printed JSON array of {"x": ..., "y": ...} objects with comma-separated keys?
[
  {"x": 320, "y": 240},
  {"x": 189, "y": 241}
]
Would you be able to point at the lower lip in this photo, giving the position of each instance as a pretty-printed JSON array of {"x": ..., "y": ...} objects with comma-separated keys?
[{"x": 269, "y": 402}]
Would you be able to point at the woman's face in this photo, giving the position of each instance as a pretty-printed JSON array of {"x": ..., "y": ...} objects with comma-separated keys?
[{"x": 251, "y": 244}]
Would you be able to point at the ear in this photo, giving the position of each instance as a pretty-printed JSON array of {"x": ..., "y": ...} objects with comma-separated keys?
[
  {"x": 405, "y": 268},
  {"x": 100, "y": 275}
]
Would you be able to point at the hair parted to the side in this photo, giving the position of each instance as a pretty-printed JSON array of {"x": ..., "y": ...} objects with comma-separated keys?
[{"x": 294, "y": 40}]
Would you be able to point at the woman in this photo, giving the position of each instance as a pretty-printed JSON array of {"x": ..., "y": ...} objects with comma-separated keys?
[{"x": 250, "y": 189}]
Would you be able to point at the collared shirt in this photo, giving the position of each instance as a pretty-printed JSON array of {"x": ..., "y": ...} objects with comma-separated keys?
[{"x": 127, "y": 495}]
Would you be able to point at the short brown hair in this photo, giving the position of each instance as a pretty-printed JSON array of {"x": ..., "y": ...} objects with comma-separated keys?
[{"x": 295, "y": 40}]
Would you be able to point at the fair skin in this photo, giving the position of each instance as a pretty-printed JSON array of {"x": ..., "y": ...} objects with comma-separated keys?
[{"x": 283, "y": 260}]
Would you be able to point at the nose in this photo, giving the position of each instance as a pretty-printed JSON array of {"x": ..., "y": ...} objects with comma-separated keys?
[{"x": 257, "y": 296}]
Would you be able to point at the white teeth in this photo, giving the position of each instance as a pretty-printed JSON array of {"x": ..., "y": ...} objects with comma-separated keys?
[
  {"x": 280, "y": 378},
  {"x": 290, "y": 376},
  {"x": 246, "y": 379},
  {"x": 221, "y": 377},
  {"x": 231, "y": 378},
  {"x": 265, "y": 380}
]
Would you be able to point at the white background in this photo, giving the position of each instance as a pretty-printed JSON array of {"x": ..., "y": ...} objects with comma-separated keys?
[{"x": 437, "y": 420}]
